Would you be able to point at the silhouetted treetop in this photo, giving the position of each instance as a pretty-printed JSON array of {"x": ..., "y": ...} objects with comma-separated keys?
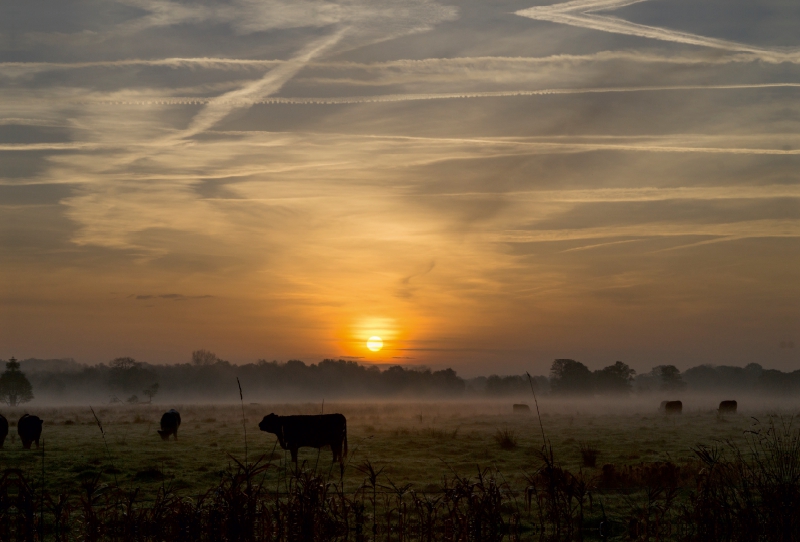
[
  {"x": 568, "y": 376},
  {"x": 617, "y": 378},
  {"x": 15, "y": 388}
]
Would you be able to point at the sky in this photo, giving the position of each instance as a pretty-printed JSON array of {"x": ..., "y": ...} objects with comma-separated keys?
[{"x": 485, "y": 185}]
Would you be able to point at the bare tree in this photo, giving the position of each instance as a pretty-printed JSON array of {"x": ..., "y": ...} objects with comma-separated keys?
[{"x": 151, "y": 391}]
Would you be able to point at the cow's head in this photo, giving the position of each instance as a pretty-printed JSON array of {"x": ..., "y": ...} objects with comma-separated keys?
[
  {"x": 164, "y": 435},
  {"x": 270, "y": 424}
]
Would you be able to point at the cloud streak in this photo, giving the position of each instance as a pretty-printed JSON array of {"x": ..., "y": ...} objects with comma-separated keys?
[{"x": 583, "y": 14}]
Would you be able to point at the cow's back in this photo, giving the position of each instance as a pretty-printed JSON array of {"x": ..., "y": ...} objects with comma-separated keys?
[
  {"x": 314, "y": 430},
  {"x": 29, "y": 429},
  {"x": 521, "y": 408}
]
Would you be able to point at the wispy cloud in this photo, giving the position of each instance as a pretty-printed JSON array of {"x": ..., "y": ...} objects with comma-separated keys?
[
  {"x": 327, "y": 170},
  {"x": 169, "y": 297}
]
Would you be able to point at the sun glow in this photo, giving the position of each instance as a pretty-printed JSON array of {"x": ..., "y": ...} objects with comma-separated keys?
[{"x": 375, "y": 343}]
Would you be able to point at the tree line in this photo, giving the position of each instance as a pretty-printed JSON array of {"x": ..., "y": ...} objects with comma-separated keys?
[{"x": 207, "y": 377}]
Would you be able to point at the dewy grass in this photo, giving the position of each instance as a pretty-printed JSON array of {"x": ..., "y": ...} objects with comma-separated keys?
[{"x": 647, "y": 462}]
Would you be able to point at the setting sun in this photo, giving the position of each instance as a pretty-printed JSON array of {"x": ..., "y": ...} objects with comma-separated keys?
[{"x": 375, "y": 343}]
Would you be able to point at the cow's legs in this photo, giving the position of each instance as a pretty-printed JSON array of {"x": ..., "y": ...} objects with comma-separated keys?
[
  {"x": 337, "y": 452},
  {"x": 176, "y": 434},
  {"x": 37, "y": 443}
]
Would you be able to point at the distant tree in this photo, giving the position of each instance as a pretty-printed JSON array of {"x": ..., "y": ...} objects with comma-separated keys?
[
  {"x": 151, "y": 391},
  {"x": 617, "y": 378},
  {"x": 128, "y": 375},
  {"x": 507, "y": 385},
  {"x": 14, "y": 386},
  {"x": 124, "y": 364},
  {"x": 702, "y": 377},
  {"x": 568, "y": 376},
  {"x": 671, "y": 379},
  {"x": 132, "y": 400},
  {"x": 204, "y": 357}
]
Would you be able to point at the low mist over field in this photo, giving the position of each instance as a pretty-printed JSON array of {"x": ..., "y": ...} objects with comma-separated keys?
[{"x": 208, "y": 378}]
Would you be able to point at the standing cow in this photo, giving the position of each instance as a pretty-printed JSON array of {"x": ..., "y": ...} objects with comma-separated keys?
[
  {"x": 521, "y": 408},
  {"x": 317, "y": 431},
  {"x": 29, "y": 429},
  {"x": 671, "y": 407},
  {"x": 170, "y": 421},
  {"x": 3, "y": 429},
  {"x": 727, "y": 407}
]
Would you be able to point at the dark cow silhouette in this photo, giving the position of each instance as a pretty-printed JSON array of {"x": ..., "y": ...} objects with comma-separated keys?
[
  {"x": 671, "y": 407},
  {"x": 170, "y": 421},
  {"x": 727, "y": 407},
  {"x": 522, "y": 409},
  {"x": 3, "y": 429},
  {"x": 315, "y": 431},
  {"x": 29, "y": 429}
]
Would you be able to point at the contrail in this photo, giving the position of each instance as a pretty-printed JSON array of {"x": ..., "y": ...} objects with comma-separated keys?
[
  {"x": 19, "y": 68},
  {"x": 218, "y": 108},
  {"x": 580, "y": 13},
  {"x": 424, "y": 66},
  {"x": 238, "y": 99},
  {"x": 49, "y": 146}
]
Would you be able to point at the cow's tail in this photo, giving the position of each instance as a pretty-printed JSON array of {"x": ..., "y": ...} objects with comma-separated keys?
[{"x": 344, "y": 454}]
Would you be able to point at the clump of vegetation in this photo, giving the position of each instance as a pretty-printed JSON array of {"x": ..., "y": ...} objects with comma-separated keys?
[
  {"x": 750, "y": 494},
  {"x": 506, "y": 439},
  {"x": 152, "y": 474},
  {"x": 589, "y": 454}
]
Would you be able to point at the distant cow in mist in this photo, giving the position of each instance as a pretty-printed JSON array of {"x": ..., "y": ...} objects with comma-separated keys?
[
  {"x": 671, "y": 407},
  {"x": 3, "y": 429},
  {"x": 728, "y": 407},
  {"x": 295, "y": 432},
  {"x": 170, "y": 421},
  {"x": 29, "y": 429},
  {"x": 521, "y": 408}
]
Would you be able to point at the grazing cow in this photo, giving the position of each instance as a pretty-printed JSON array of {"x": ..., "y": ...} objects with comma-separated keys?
[
  {"x": 671, "y": 407},
  {"x": 315, "y": 431},
  {"x": 29, "y": 429},
  {"x": 727, "y": 407},
  {"x": 170, "y": 421},
  {"x": 3, "y": 429},
  {"x": 522, "y": 409}
]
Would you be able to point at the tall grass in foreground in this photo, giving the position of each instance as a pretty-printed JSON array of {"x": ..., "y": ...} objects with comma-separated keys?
[
  {"x": 309, "y": 507},
  {"x": 728, "y": 493},
  {"x": 751, "y": 493}
]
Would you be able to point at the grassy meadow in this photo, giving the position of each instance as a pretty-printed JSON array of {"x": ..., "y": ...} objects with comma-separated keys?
[{"x": 415, "y": 443}]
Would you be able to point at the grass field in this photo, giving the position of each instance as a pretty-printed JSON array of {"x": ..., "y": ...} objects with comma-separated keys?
[{"x": 415, "y": 443}]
